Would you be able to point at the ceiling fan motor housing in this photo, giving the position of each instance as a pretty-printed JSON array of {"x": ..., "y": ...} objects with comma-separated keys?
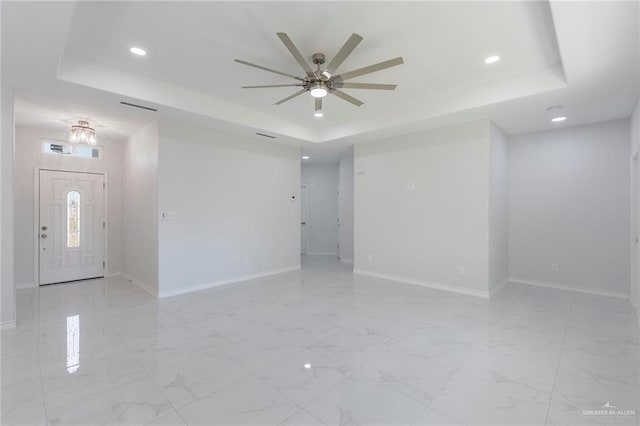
[{"x": 318, "y": 58}]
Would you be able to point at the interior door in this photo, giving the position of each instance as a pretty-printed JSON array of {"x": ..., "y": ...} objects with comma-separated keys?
[
  {"x": 304, "y": 212},
  {"x": 71, "y": 229}
]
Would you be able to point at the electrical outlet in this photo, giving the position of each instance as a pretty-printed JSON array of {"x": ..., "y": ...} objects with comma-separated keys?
[
  {"x": 246, "y": 260},
  {"x": 555, "y": 268},
  {"x": 460, "y": 270},
  {"x": 370, "y": 257}
]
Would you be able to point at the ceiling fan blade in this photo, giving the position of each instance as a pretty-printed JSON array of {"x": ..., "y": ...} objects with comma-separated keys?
[
  {"x": 346, "y": 97},
  {"x": 298, "y": 93},
  {"x": 372, "y": 68},
  {"x": 272, "y": 85},
  {"x": 371, "y": 86},
  {"x": 344, "y": 51},
  {"x": 267, "y": 69},
  {"x": 318, "y": 104},
  {"x": 296, "y": 53}
]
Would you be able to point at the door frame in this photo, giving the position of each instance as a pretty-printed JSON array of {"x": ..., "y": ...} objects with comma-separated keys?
[
  {"x": 36, "y": 217},
  {"x": 306, "y": 209}
]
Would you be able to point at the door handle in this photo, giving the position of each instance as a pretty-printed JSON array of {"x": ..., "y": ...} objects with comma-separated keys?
[
  {"x": 43, "y": 236},
  {"x": 303, "y": 223}
]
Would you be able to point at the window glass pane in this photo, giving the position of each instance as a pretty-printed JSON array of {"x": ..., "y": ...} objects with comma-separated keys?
[
  {"x": 73, "y": 219},
  {"x": 71, "y": 150}
]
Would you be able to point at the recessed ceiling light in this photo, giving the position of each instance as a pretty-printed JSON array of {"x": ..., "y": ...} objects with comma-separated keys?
[
  {"x": 138, "y": 51},
  {"x": 305, "y": 157},
  {"x": 558, "y": 119},
  {"x": 307, "y": 366},
  {"x": 492, "y": 59}
]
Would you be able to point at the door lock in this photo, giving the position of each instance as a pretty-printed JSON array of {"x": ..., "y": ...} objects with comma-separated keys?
[{"x": 43, "y": 236}]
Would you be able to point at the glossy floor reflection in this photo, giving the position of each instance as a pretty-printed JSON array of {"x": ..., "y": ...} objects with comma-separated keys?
[{"x": 319, "y": 346}]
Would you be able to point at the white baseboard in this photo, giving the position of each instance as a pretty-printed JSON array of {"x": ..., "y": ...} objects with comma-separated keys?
[
  {"x": 8, "y": 325},
  {"x": 436, "y": 286},
  {"x": 113, "y": 274},
  {"x": 321, "y": 253},
  {"x": 23, "y": 286},
  {"x": 559, "y": 286},
  {"x": 140, "y": 284},
  {"x": 497, "y": 288},
  {"x": 349, "y": 261},
  {"x": 205, "y": 286}
]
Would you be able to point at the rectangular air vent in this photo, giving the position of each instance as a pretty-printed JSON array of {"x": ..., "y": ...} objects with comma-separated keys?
[
  {"x": 139, "y": 106},
  {"x": 266, "y": 136}
]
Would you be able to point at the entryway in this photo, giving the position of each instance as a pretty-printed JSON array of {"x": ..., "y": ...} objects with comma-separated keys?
[{"x": 71, "y": 229}]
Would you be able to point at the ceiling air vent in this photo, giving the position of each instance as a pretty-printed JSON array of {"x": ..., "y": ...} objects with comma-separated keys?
[
  {"x": 139, "y": 106},
  {"x": 266, "y": 136}
]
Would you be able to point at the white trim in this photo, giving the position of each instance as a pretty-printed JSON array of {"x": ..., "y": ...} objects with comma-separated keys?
[
  {"x": 497, "y": 288},
  {"x": 349, "y": 261},
  {"x": 437, "y": 286},
  {"x": 113, "y": 274},
  {"x": 559, "y": 286},
  {"x": 322, "y": 253},
  {"x": 24, "y": 286},
  {"x": 306, "y": 210},
  {"x": 140, "y": 284},
  {"x": 8, "y": 325},
  {"x": 204, "y": 286}
]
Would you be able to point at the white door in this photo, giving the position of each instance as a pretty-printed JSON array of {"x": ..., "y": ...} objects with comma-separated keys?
[
  {"x": 71, "y": 229},
  {"x": 304, "y": 211}
]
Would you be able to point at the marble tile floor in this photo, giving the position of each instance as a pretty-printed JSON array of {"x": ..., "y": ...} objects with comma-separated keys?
[{"x": 318, "y": 347}]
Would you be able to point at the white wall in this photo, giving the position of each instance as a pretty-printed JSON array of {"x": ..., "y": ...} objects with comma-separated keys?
[
  {"x": 234, "y": 213},
  {"x": 6, "y": 210},
  {"x": 140, "y": 207},
  {"x": 28, "y": 157},
  {"x": 635, "y": 207},
  {"x": 322, "y": 216},
  {"x": 424, "y": 235},
  {"x": 569, "y": 205},
  {"x": 498, "y": 208},
  {"x": 345, "y": 208}
]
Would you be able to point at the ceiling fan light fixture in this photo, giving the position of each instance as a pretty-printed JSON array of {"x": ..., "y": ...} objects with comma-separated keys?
[
  {"x": 318, "y": 114},
  {"x": 318, "y": 90}
]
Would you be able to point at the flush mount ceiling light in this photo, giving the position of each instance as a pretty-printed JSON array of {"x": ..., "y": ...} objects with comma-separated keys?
[
  {"x": 82, "y": 133},
  {"x": 558, "y": 119},
  {"x": 138, "y": 51},
  {"x": 492, "y": 59},
  {"x": 324, "y": 80},
  {"x": 305, "y": 157}
]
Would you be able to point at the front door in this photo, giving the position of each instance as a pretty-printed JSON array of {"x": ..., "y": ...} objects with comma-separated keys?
[{"x": 71, "y": 230}]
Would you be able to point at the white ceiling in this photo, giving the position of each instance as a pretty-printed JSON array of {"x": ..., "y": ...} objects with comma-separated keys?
[{"x": 582, "y": 55}]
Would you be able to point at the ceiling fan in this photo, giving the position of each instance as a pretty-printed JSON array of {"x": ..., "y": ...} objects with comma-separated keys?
[{"x": 325, "y": 81}]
